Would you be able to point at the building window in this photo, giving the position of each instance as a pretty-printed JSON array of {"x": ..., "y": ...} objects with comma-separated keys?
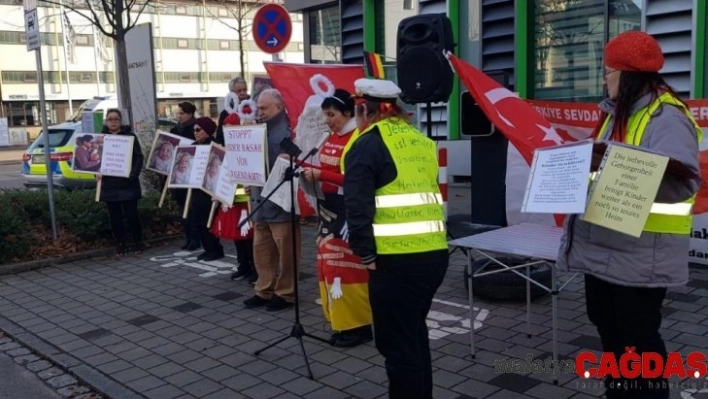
[
  {"x": 224, "y": 45},
  {"x": 222, "y": 12},
  {"x": 181, "y": 10},
  {"x": 569, "y": 40},
  {"x": 182, "y": 43},
  {"x": 325, "y": 35},
  {"x": 83, "y": 40}
]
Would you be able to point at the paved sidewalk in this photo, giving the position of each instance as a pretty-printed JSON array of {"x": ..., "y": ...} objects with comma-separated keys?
[{"x": 162, "y": 325}]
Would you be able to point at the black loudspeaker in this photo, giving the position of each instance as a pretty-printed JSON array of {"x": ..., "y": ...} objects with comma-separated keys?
[{"x": 424, "y": 74}]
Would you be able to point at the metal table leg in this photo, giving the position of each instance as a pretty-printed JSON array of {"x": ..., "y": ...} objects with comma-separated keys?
[
  {"x": 471, "y": 302},
  {"x": 528, "y": 301},
  {"x": 554, "y": 322}
]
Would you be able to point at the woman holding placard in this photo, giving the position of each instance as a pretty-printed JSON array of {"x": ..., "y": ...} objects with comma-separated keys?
[
  {"x": 121, "y": 194},
  {"x": 185, "y": 128},
  {"x": 228, "y": 219},
  {"x": 626, "y": 278},
  {"x": 200, "y": 208},
  {"x": 342, "y": 278}
]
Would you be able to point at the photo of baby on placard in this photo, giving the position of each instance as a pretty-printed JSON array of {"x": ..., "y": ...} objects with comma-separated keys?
[
  {"x": 211, "y": 176},
  {"x": 182, "y": 166},
  {"x": 87, "y": 153},
  {"x": 162, "y": 152}
]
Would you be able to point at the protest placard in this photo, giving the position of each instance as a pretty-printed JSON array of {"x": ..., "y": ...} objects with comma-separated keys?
[
  {"x": 163, "y": 150},
  {"x": 103, "y": 154},
  {"x": 247, "y": 154},
  {"x": 189, "y": 166},
  {"x": 282, "y": 195},
  {"x": 624, "y": 189},
  {"x": 217, "y": 182},
  {"x": 559, "y": 178}
]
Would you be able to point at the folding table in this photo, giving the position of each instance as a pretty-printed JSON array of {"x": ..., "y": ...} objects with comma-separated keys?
[{"x": 538, "y": 244}]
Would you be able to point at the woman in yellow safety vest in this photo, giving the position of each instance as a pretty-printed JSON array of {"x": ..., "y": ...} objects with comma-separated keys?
[
  {"x": 396, "y": 225},
  {"x": 626, "y": 278}
]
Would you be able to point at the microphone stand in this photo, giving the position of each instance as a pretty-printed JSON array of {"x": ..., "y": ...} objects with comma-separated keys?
[{"x": 297, "y": 331}]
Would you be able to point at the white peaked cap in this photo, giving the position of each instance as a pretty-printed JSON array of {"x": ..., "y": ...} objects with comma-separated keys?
[{"x": 377, "y": 89}]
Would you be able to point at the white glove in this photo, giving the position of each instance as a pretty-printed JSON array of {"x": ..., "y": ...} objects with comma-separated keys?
[
  {"x": 336, "y": 291},
  {"x": 246, "y": 226},
  {"x": 225, "y": 208},
  {"x": 344, "y": 232}
]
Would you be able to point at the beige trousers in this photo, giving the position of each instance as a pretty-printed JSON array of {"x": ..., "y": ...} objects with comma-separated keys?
[{"x": 273, "y": 254}]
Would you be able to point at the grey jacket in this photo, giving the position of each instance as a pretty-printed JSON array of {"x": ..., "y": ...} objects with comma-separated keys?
[
  {"x": 653, "y": 259},
  {"x": 278, "y": 128}
]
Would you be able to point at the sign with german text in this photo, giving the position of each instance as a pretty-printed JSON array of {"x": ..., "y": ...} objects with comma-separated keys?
[
  {"x": 102, "y": 154},
  {"x": 247, "y": 154},
  {"x": 189, "y": 166}
]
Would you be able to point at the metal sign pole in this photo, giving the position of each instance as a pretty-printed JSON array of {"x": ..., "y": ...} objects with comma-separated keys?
[
  {"x": 47, "y": 152},
  {"x": 34, "y": 44}
]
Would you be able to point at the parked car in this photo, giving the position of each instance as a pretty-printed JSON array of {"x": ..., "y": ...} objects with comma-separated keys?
[{"x": 61, "y": 147}]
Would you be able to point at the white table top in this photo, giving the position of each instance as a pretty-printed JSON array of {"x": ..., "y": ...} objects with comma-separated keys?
[{"x": 525, "y": 239}]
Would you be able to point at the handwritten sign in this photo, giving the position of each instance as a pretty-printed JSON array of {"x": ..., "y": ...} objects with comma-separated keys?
[
  {"x": 102, "y": 154},
  {"x": 558, "y": 182},
  {"x": 625, "y": 188},
  {"x": 189, "y": 166},
  {"x": 163, "y": 151},
  {"x": 281, "y": 195},
  {"x": 247, "y": 154},
  {"x": 4, "y": 133},
  {"x": 217, "y": 182}
]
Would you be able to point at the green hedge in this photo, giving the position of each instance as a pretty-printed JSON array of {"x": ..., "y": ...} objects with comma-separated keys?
[{"x": 77, "y": 213}]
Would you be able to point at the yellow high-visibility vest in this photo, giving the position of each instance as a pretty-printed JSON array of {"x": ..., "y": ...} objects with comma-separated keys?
[
  {"x": 663, "y": 218},
  {"x": 409, "y": 214}
]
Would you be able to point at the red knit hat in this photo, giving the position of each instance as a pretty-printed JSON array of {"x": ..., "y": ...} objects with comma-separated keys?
[{"x": 634, "y": 51}]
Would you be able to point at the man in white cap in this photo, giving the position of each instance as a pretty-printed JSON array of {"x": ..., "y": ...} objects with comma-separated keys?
[{"x": 396, "y": 225}]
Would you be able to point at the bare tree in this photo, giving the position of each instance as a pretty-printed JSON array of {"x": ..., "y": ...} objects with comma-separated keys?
[{"x": 113, "y": 18}]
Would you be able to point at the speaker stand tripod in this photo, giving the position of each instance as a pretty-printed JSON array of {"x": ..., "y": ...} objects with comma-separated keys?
[{"x": 298, "y": 330}]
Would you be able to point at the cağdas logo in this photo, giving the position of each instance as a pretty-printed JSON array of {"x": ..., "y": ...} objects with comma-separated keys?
[{"x": 632, "y": 365}]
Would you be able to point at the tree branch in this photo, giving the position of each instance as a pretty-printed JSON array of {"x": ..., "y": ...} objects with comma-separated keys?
[
  {"x": 93, "y": 20},
  {"x": 137, "y": 17}
]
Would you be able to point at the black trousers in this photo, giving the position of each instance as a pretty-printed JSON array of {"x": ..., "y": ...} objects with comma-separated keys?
[
  {"x": 624, "y": 317},
  {"x": 199, "y": 217},
  {"x": 244, "y": 254},
  {"x": 125, "y": 211},
  {"x": 400, "y": 293},
  {"x": 191, "y": 233}
]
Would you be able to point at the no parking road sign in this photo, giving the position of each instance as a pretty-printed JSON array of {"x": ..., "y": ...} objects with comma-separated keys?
[{"x": 272, "y": 28}]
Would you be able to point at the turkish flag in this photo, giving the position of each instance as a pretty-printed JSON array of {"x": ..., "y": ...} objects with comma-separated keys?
[
  {"x": 520, "y": 123},
  {"x": 514, "y": 117},
  {"x": 307, "y": 85}
]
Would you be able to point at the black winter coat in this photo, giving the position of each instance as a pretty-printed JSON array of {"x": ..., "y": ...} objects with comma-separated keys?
[
  {"x": 185, "y": 130},
  {"x": 124, "y": 188}
]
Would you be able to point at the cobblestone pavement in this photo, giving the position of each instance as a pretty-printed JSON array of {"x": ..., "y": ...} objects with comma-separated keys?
[
  {"x": 162, "y": 325},
  {"x": 23, "y": 372}
]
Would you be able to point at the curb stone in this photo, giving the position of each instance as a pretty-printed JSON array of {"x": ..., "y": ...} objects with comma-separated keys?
[
  {"x": 62, "y": 372},
  {"x": 59, "y": 380},
  {"x": 94, "y": 253}
]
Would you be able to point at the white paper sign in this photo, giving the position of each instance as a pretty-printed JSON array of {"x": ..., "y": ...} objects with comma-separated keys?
[
  {"x": 559, "y": 179},
  {"x": 189, "y": 166},
  {"x": 4, "y": 133},
  {"x": 103, "y": 154},
  {"x": 281, "y": 196},
  {"x": 247, "y": 154}
]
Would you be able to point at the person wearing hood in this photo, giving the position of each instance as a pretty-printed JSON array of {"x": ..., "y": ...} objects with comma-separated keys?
[
  {"x": 200, "y": 208},
  {"x": 273, "y": 253},
  {"x": 185, "y": 128},
  {"x": 121, "y": 194},
  {"x": 626, "y": 278}
]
